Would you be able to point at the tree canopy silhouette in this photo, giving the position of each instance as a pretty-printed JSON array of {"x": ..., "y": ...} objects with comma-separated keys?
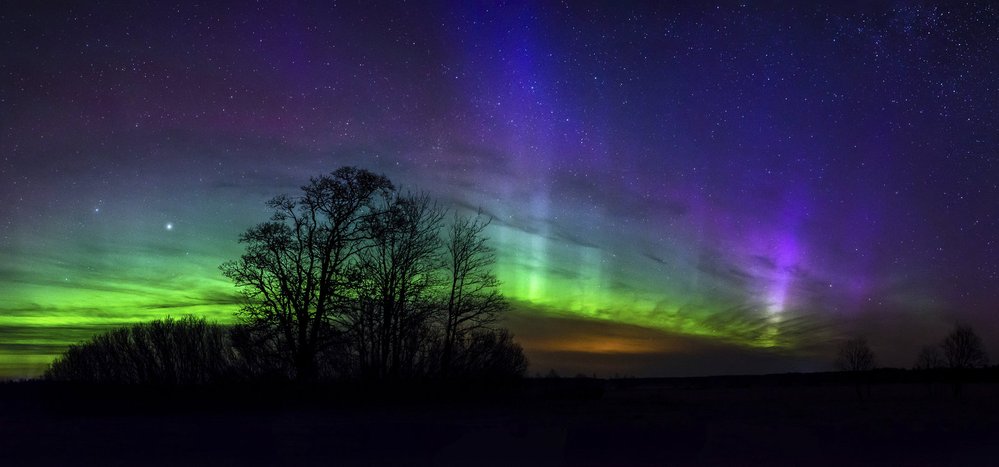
[
  {"x": 354, "y": 278},
  {"x": 473, "y": 301},
  {"x": 295, "y": 271},
  {"x": 963, "y": 349},
  {"x": 929, "y": 359},
  {"x": 855, "y": 355},
  {"x": 396, "y": 282}
]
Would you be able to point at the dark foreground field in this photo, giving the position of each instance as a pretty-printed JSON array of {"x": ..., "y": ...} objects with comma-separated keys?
[{"x": 792, "y": 420}]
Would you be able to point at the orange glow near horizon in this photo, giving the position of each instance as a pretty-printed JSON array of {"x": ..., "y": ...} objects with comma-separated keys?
[{"x": 602, "y": 345}]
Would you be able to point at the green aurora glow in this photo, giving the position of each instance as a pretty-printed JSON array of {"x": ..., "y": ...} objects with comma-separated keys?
[{"x": 729, "y": 182}]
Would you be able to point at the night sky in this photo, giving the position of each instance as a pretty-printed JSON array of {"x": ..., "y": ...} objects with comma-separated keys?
[{"x": 676, "y": 190}]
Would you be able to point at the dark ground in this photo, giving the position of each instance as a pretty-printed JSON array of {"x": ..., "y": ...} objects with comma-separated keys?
[{"x": 783, "y": 420}]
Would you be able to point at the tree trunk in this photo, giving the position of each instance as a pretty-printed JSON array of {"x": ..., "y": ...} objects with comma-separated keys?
[
  {"x": 305, "y": 366},
  {"x": 448, "y": 347}
]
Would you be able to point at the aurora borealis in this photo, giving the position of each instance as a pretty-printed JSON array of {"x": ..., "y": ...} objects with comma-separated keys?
[{"x": 676, "y": 189}]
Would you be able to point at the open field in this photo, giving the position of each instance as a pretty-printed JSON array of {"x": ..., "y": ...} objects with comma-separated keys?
[{"x": 746, "y": 421}]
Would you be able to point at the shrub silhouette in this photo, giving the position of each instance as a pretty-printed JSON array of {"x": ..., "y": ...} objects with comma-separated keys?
[
  {"x": 189, "y": 350},
  {"x": 488, "y": 355}
]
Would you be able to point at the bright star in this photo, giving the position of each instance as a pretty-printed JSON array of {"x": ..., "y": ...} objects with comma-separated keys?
[{"x": 169, "y": 226}]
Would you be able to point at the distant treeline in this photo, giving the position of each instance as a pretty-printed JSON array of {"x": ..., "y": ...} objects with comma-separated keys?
[{"x": 961, "y": 349}]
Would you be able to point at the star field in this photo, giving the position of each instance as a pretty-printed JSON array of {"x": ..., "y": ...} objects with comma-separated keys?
[{"x": 676, "y": 189}]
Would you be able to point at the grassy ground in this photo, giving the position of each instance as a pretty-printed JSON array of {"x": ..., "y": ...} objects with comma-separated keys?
[{"x": 542, "y": 422}]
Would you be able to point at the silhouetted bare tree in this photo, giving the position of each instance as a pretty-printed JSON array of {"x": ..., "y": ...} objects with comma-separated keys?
[
  {"x": 473, "y": 301},
  {"x": 294, "y": 273},
  {"x": 929, "y": 358},
  {"x": 354, "y": 278},
  {"x": 855, "y": 355},
  {"x": 963, "y": 349},
  {"x": 397, "y": 274}
]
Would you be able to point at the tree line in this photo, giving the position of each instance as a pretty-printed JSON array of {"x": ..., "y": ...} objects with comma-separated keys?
[
  {"x": 350, "y": 278},
  {"x": 961, "y": 349}
]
